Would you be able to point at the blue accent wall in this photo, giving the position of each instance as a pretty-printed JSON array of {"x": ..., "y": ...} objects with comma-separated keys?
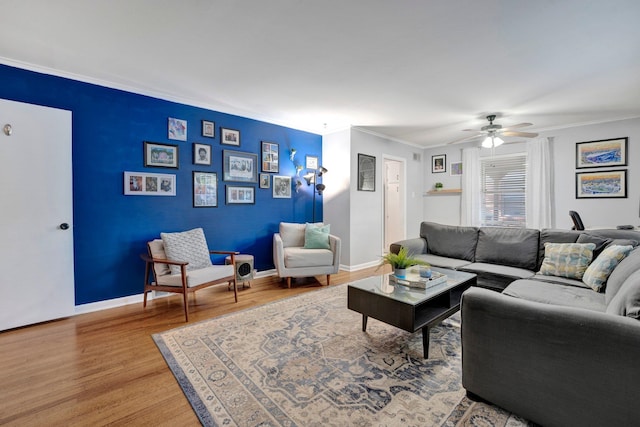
[{"x": 111, "y": 229}]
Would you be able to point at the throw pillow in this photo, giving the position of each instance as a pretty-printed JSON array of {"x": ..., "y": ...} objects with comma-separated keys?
[
  {"x": 600, "y": 242},
  {"x": 567, "y": 259},
  {"x": 598, "y": 272},
  {"x": 189, "y": 246},
  {"x": 317, "y": 237}
]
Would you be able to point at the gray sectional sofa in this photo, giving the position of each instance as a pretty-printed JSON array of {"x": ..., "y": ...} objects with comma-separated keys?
[{"x": 547, "y": 348}]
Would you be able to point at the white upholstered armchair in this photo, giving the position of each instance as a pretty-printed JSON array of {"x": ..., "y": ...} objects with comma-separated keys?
[{"x": 305, "y": 250}]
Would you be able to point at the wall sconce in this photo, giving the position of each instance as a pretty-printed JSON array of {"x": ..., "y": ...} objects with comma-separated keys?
[
  {"x": 298, "y": 185},
  {"x": 292, "y": 154}
]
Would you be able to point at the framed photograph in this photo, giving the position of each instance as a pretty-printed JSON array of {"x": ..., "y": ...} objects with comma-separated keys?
[
  {"x": 312, "y": 162},
  {"x": 439, "y": 163},
  {"x": 201, "y": 154},
  {"x": 265, "y": 180},
  {"x": 239, "y": 166},
  {"x": 281, "y": 187},
  {"x": 208, "y": 129},
  {"x": 456, "y": 169},
  {"x": 205, "y": 189},
  {"x": 229, "y": 136},
  {"x": 366, "y": 173},
  {"x": 177, "y": 129},
  {"x": 149, "y": 184},
  {"x": 270, "y": 157},
  {"x": 601, "y": 184},
  {"x": 604, "y": 153},
  {"x": 240, "y": 195},
  {"x": 160, "y": 155}
]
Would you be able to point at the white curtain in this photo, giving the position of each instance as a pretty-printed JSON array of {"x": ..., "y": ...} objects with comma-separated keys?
[
  {"x": 539, "y": 184},
  {"x": 470, "y": 203}
]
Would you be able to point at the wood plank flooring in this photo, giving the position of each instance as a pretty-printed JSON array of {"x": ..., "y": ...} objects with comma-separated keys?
[{"x": 103, "y": 368}]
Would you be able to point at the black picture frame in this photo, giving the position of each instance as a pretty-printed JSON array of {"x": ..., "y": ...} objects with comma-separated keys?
[
  {"x": 604, "y": 153},
  {"x": 159, "y": 155},
  {"x": 208, "y": 129},
  {"x": 439, "y": 163},
  {"x": 366, "y": 172},
  {"x": 205, "y": 189},
  {"x": 602, "y": 184},
  {"x": 270, "y": 157},
  {"x": 201, "y": 154},
  {"x": 229, "y": 136},
  {"x": 240, "y": 195},
  {"x": 239, "y": 166}
]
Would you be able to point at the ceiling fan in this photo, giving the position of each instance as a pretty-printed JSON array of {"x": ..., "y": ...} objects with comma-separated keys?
[{"x": 492, "y": 133}]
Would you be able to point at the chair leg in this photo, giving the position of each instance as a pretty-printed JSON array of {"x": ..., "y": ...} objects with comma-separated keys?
[
  {"x": 328, "y": 279},
  {"x": 144, "y": 301},
  {"x": 186, "y": 307},
  {"x": 289, "y": 282},
  {"x": 235, "y": 289}
]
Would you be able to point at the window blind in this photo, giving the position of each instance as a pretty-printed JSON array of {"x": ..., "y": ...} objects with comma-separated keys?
[{"x": 503, "y": 190}]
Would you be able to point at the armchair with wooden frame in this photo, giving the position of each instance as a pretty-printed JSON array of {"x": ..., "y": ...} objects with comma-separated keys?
[{"x": 187, "y": 272}]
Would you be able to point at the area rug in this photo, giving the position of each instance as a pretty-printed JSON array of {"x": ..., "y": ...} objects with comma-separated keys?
[{"x": 305, "y": 361}]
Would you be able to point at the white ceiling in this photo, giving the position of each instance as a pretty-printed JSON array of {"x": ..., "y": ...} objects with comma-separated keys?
[{"x": 419, "y": 71}]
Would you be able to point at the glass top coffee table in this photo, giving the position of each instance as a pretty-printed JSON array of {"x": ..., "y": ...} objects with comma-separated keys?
[{"x": 408, "y": 308}]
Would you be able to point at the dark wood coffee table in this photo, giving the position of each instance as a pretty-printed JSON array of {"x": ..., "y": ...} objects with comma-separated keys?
[{"x": 408, "y": 308}]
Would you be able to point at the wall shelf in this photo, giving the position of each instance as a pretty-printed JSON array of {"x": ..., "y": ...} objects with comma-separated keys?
[{"x": 446, "y": 191}]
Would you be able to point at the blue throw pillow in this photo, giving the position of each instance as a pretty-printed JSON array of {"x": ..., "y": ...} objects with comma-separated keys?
[{"x": 317, "y": 237}]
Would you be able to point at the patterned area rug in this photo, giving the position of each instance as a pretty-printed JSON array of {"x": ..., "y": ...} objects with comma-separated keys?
[{"x": 304, "y": 361}]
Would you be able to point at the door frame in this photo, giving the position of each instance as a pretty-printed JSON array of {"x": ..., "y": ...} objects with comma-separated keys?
[{"x": 403, "y": 195}]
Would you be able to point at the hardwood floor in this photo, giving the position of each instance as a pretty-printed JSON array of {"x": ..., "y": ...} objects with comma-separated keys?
[{"x": 103, "y": 368}]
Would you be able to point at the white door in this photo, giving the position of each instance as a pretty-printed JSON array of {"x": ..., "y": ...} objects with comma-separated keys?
[
  {"x": 36, "y": 253},
  {"x": 394, "y": 217}
]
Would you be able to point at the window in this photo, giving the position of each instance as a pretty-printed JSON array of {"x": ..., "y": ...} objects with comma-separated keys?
[{"x": 503, "y": 190}]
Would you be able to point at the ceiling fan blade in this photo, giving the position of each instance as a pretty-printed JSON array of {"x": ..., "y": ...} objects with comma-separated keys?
[
  {"x": 518, "y": 126},
  {"x": 466, "y": 138},
  {"x": 470, "y": 130},
  {"x": 523, "y": 134}
]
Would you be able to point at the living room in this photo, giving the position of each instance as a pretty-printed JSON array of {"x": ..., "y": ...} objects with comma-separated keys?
[{"x": 113, "y": 117}]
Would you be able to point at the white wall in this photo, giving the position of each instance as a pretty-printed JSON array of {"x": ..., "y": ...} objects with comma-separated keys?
[{"x": 595, "y": 212}]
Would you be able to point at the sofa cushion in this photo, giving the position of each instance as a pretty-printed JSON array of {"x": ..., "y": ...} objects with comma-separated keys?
[
  {"x": 515, "y": 247},
  {"x": 600, "y": 242},
  {"x": 561, "y": 280},
  {"x": 626, "y": 302},
  {"x": 292, "y": 234},
  {"x": 189, "y": 246},
  {"x": 295, "y": 257},
  {"x": 549, "y": 235},
  {"x": 599, "y": 270},
  {"x": 567, "y": 259},
  {"x": 441, "y": 261},
  {"x": 556, "y": 294},
  {"x": 156, "y": 249},
  {"x": 626, "y": 268},
  {"x": 449, "y": 240},
  {"x": 317, "y": 236},
  {"x": 502, "y": 270}
]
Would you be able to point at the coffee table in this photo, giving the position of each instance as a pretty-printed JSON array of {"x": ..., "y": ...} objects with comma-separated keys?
[{"x": 408, "y": 308}]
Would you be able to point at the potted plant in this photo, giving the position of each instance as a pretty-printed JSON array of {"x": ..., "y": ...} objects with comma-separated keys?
[
  {"x": 401, "y": 261},
  {"x": 438, "y": 186}
]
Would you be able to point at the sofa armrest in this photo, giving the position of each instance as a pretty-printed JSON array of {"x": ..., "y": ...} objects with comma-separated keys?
[
  {"x": 551, "y": 364},
  {"x": 415, "y": 246},
  {"x": 336, "y": 248}
]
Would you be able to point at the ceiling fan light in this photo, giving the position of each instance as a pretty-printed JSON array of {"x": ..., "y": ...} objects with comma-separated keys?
[
  {"x": 487, "y": 143},
  {"x": 497, "y": 141}
]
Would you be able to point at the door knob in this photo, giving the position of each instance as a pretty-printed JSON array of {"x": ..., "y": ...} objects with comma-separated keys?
[{"x": 64, "y": 226}]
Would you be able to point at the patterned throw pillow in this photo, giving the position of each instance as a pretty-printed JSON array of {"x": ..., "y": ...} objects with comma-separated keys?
[
  {"x": 317, "y": 236},
  {"x": 190, "y": 246},
  {"x": 567, "y": 259},
  {"x": 598, "y": 272}
]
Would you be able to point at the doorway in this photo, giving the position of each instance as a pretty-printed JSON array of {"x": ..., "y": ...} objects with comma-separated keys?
[
  {"x": 394, "y": 201},
  {"x": 37, "y": 282}
]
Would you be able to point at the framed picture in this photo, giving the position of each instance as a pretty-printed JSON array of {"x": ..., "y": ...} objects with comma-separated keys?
[
  {"x": 366, "y": 173},
  {"x": 201, "y": 154},
  {"x": 160, "y": 155},
  {"x": 205, "y": 189},
  {"x": 229, "y": 136},
  {"x": 208, "y": 129},
  {"x": 149, "y": 184},
  {"x": 456, "y": 169},
  {"x": 439, "y": 163},
  {"x": 265, "y": 180},
  {"x": 601, "y": 184},
  {"x": 239, "y": 166},
  {"x": 281, "y": 187},
  {"x": 604, "y": 153},
  {"x": 177, "y": 129},
  {"x": 240, "y": 195},
  {"x": 270, "y": 157},
  {"x": 312, "y": 162}
]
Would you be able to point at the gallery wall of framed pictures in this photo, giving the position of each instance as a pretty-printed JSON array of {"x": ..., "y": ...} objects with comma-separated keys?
[{"x": 597, "y": 176}]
